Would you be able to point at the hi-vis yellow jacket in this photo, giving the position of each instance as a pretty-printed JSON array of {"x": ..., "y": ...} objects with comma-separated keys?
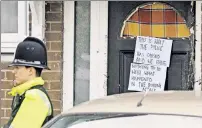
[{"x": 35, "y": 107}]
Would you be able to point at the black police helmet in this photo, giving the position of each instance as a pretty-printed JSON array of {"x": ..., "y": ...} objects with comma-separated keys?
[{"x": 31, "y": 52}]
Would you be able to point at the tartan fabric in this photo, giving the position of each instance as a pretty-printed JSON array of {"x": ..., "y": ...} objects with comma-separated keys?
[{"x": 156, "y": 20}]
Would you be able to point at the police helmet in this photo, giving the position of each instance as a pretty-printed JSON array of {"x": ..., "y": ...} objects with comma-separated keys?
[{"x": 31, "y": 52}]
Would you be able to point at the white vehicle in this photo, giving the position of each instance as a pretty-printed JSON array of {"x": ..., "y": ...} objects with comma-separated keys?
[{"x": 169, "y": 109}]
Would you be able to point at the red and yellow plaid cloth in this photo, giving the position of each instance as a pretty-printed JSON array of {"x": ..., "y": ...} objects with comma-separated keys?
[{"x": 156, "y": 20}]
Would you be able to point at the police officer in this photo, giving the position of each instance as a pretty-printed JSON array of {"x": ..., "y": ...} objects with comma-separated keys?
[{"x": 31, "y": 105}]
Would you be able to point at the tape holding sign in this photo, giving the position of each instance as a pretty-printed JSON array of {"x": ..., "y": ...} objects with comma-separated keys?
[
  {"x": 147, "y": 77},
  {"x": 154, "y": 51},
  {"x": 151, "y": 59}
]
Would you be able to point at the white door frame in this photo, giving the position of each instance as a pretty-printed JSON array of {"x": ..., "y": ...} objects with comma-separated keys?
[
  {"x": 197, "y": 85},
  {"x": 98, "y": 49},
  {"x": 68, "y": 55}
]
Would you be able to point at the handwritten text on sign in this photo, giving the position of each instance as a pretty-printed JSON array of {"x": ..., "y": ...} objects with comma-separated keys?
[
  {"x": 153, "y": 51},
  {"x": 147, "y": 77}
]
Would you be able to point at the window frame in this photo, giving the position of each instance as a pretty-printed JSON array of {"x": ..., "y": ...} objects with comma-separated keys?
[{"x": 9, "y": 41}]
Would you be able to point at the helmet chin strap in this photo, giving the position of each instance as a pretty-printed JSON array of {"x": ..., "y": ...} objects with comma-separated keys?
[{"x": 14, "y": 83}]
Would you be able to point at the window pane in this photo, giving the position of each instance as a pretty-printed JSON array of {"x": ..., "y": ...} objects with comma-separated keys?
[
  {"x": 82, "y": 52},
  {"x": 9, "y": 16}
]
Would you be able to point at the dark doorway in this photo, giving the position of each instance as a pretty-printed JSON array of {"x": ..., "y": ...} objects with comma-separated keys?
[{"x": 121, "y": 50}]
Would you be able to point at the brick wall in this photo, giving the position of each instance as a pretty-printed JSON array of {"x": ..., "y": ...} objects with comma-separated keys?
[{"x": 53, "y": 78}]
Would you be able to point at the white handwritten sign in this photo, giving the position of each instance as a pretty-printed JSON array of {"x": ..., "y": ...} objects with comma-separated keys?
[
  {"x": 147, "y": 77},
  {"x": 154, "y": 51}
]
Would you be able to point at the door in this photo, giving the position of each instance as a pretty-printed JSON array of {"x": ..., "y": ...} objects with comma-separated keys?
[{"x": 121, "y": 47}]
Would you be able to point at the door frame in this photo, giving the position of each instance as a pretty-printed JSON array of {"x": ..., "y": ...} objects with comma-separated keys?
[
  {"x": 98, "y": 49},
  {"x": 197, "y": 85},
  {"x": 68, "y": 55}
]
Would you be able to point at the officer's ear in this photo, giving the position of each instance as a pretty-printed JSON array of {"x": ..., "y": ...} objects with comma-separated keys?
[{"x": 31, "y": 71}]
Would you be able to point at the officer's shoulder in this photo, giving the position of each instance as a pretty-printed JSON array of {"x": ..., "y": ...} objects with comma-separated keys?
[{"x": 34, "y": 94}]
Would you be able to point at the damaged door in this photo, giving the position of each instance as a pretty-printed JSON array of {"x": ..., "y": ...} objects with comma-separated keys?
[{"x": 130, "y": 19}]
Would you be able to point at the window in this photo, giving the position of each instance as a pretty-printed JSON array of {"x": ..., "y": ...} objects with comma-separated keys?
[
  {"x": 156, "y": 20},
  {"x": 14, "y": 24}
]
